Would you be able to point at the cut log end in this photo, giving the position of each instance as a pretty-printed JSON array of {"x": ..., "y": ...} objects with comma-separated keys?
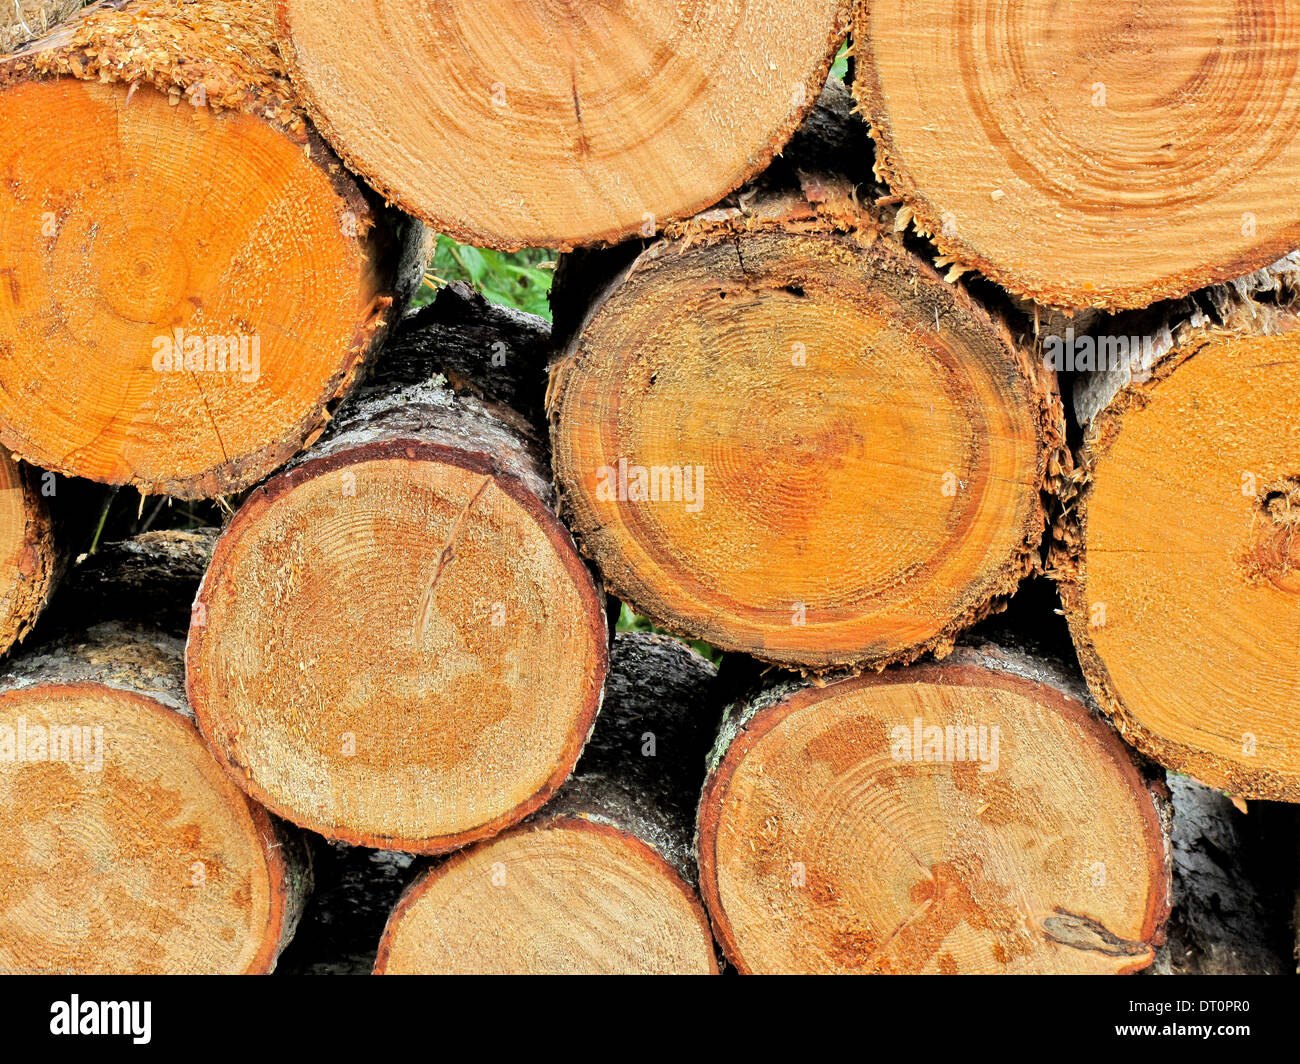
[
  {"x": 566, "y": 895},
  {"x": 127, "y": 848},
  {"x": 590, "y": 122},
  {"x": 799, "y": 448},
  {"x": 138, "y": 344},
  {"x": 1085, "y": 173},
  {"x": 1184, "y": 600},
  {"x": 953, "y": 819},
  {"x": 399, "y": 647}
]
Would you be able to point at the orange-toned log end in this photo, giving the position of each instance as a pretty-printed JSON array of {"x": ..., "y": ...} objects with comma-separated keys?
[
  {"x": 514, "y": 123},
  {"x": 1184, "y": 599},
  {"x": 958, "y": 818},
  {"x": 401, "y": 647},
  {"x": 801, "y": 449},
  {"x": 565, "y": 896},
  {"x": 1104, "y": 155},
  {"x": 28, "y": 553},
  {"x": 183, "y": 292},
  {"x": 124, "y": 847}
]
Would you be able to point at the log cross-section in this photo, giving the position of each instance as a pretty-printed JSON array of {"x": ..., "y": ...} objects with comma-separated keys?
[
  {"x": 397, "y": 644},
  {"x": 971, "y": 816},
  {"x": 514, "y": 123},
  {"x": 124, "y": 847},
  {"x": 780, "y": 431},
  {"x": 189, "y": 279},
  {"x": 1089, "y": 154}
]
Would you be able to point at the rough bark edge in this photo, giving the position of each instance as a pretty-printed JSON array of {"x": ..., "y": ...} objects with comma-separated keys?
[
  {"x": 226, "y": 59},
  {"x": 40, "y": 562},
  {"x": 924, "y": 217},
  {"x": 464, "y": 232},
  {"x": 226, "y": 48},
  {"x": 103, "y": 657},
  {"x": 369, "y": 434},
  {"x": 1266, "y": 302},
  {"x": 829, "y": 206},
  {"x": 746, "y": 721}
]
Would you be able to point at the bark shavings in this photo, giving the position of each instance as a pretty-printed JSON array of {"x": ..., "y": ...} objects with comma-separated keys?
[{"x": 219, "y": 53}]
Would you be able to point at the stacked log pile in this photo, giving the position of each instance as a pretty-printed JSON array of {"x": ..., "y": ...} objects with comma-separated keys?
[{"x": 953, "y": 409}]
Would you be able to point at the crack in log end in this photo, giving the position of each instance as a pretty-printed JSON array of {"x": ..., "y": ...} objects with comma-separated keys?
[
  {"x": 1082, "y": 932},
  {"x": 583, "y": 145},
  {"x": 740, "y": 258},
  {"x": 447, "y": 554}
]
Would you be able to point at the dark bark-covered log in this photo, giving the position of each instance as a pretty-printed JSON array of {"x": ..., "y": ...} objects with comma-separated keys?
[
  {"x": 401, "y": 646},
  {"x": 602, "y": 878},
  {"x": 532, "y": 124},
  {"x": 30, "y": 555},
  {"x": 483, "y": 349},
  {"x": 1231, "y": 911},
  {"x": 776, "y": 429},
  {"x": 355, "y": 889},
  {"x": 969, "y": 816},
  {"x": 161, "y": 179},
  {"x": 125, "y": 847},
  {"x": 1177, "y": 551},
  {"x": 150, "y": 579}
]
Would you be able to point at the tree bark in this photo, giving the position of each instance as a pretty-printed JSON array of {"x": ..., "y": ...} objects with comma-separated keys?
[
  {"x": 1070, "y": 174},
  {"x": 426, "y": 521},
  {"x": 601, "y": 879},
  {"x": 1176, "y": 547},
  {"x": 485, "y": 350},
  {"x": 149, "y": 579},
  {"x": 29, "y": 20},
  {"x": 127, "y": 849},
  {"x": 146, "y": 352},
  {"x": 1231, "y": 911},
  {"x": 618, "y": 123},
  {"x": 962, "y": 817},
  {"x": 355, "y": 890},
  {"x": 726, "y": 401}
]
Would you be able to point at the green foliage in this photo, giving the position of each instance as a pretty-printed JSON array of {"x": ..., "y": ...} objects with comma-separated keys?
[
  {"x": 519, "y": 279},
  {"x": 632, "y": 622},
  {"x": 840, "y": 69}
]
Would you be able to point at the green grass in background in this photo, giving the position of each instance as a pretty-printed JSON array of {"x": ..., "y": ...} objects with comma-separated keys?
[
  {"x": 840, "y": 68},
  {"x": 520, "y": 279},
  {"x": 634, "y": 622}
]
